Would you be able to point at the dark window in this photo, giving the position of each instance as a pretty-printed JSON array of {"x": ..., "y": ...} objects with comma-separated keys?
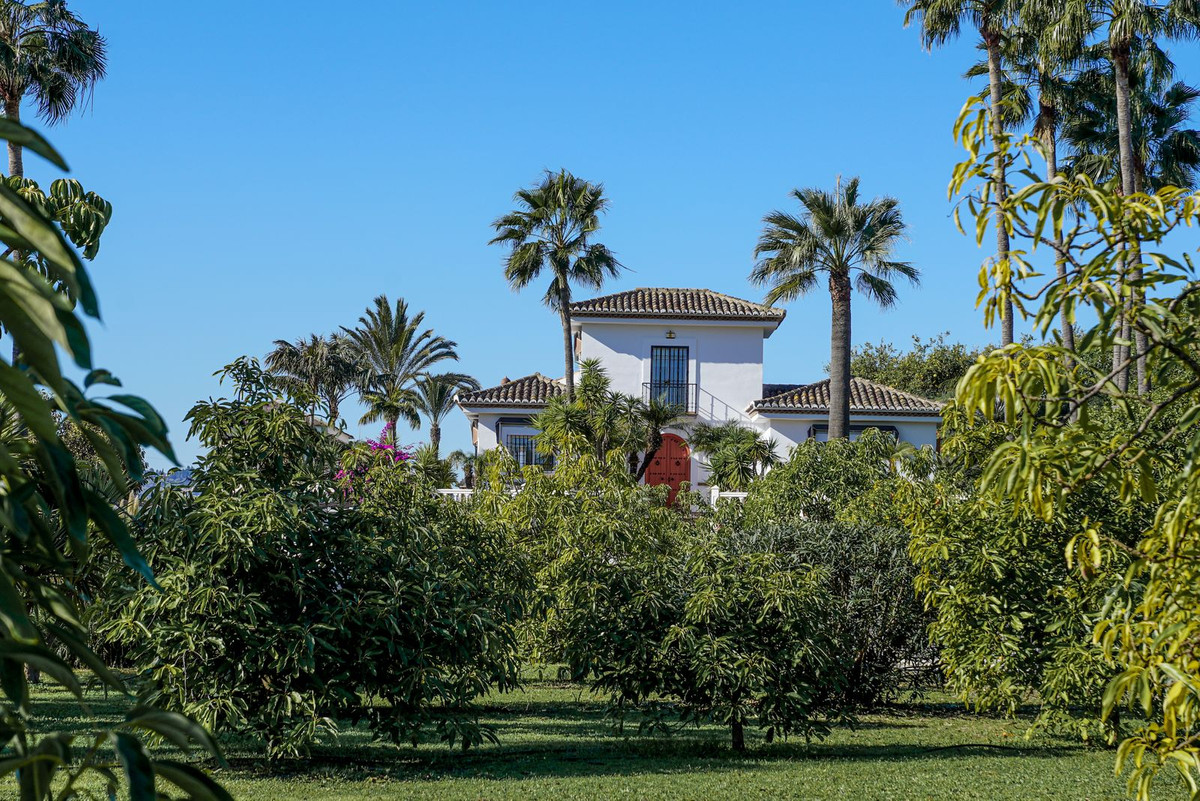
[
  {"x": 522, "y": 447},
  {"x": 669, "y": 374}
]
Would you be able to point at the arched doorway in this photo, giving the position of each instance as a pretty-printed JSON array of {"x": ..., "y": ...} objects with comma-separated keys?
[{"x": 672, "y": 465}]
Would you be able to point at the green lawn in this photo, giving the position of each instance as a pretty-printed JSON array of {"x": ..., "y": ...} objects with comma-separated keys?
[{"x": 555, "y": 743}]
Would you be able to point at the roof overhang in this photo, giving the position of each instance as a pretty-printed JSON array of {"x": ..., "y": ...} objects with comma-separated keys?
[{"x": 768, "y": 326}]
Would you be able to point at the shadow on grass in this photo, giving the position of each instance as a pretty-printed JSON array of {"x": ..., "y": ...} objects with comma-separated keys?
[{"x": 569, "y": 736}]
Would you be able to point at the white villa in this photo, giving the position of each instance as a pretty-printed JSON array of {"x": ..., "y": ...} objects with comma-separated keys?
[{"x": 703, "y": 351}]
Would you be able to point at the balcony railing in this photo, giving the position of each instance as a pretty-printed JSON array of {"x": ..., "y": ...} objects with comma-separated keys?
[{"x": 681, "y": 396}]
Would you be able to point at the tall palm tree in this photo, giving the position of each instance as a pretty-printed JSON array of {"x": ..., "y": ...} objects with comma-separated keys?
[
  {"x": 1042, "y": 66},
  {"x": 551, "y": 232},
  {"x": 325, "y": 367},
  {"x": 394, "y": 352},
  {"x": 942, "y": 20},
  {"x": 1129, "y": 25},
  {"x": 850, "y": 242},
  {"x": 434, "y": 399},
  {"x": 49, "y": 54},
  {"x": 1166, "y": 152}
]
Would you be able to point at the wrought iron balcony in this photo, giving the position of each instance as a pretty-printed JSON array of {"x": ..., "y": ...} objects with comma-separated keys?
[{"x": 681, "y": 396}]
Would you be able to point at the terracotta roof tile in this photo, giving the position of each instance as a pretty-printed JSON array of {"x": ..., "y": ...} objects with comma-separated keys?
[
  {"x": 691, "y": 304},
  {"x": 865, "y": 396},
  {"x": 532, "y": 390}
]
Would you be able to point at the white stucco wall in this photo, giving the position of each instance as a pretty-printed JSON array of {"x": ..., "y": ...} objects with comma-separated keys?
[
  {"x": 790, "y": 430},
  {"x": 494, "y": 426},
  {"x": 725, "y": 364}
]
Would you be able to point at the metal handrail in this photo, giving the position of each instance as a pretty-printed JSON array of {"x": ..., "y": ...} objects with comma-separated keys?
[{"x": 681, "y": 395}]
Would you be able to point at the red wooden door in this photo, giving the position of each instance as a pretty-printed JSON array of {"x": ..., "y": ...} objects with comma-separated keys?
[{"x": 672, "y": 465}]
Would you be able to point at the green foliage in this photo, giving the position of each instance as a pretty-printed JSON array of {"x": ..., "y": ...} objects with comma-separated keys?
[
  {"x": 666, "y": 616},
  {"x": 1010, "y": 623},
  {"x": 736, "y": 454},
  {"x": 291, "y": 600},
  {"x": 52, "y": 517},
  {"x": 832, "y": 505},
  {"x": 602, "y": 422},
  {"x": 1142, "y": 449},
  {"x": 931, "y": 369},
  {"x": 392, "y": 352}
]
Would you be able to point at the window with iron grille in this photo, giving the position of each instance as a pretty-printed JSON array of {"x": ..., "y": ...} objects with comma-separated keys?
[
  {"x": 523, "y": 449},
  {"x": 669, "y": 374}
]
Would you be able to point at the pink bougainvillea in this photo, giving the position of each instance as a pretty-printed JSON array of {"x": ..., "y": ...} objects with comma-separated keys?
[{"x": 385, "y": 447}]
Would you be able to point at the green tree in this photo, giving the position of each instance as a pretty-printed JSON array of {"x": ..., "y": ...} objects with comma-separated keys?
[
  {"x": 1147, "y": 454},
  {"x": 49, "y": 54},
  {"x": 326, "y": 366},
  {"x": 832, "y": 505},
  {"x": 291, "y": 591},
  {"x": 852, "y": 243},
  {"x": 551, "y": 232},
  {"x": 394, "y": 352},
  {"x": 434, "y": 398},
  {"x": 929, "y": 369},
  {"x": 941, "y": 21},
  {"x": 53, "y": 515},
  {"x": 668, "y": 618}
]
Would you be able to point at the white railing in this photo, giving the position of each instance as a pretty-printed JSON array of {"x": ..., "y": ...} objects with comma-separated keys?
[
  {"x": 717, "y": 495},
  {"x": 455, "y": 493}
]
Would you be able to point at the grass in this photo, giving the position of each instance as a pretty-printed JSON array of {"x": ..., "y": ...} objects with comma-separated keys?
[{"x": 555, "y": 743}]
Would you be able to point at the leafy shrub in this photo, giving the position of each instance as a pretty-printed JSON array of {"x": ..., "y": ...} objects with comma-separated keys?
[
  {"x": 289, "y": 603},
  {"x": 831, "y": 505},
  {"x": 667, "y": 616},
  {"x": 1011, "y": 624}
]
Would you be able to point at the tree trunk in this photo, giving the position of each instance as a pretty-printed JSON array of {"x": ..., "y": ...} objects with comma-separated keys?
[
  {"x": 839, "y": 358},
  {"x": 16, "y": 160},
  {"x": 1129, "y": 185},
  {"x": 16, "y": 166},
  {"x": 999, "y": 177},
  {"x": 651, "y": 451},
  {"x": 564, "y": 312},
  {"x": 435, "y": 437},
  {"x": 739, "y": 734},
  {"x": 1050, "y": 140}
]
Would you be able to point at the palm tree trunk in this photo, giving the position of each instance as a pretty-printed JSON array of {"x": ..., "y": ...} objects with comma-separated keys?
[
  {"x": 651, "y": 451},
  {"x": 1129, "y": 185},
  {"x": 839, "y": 358},
  {"x": 564, "y": 313},
  {"x": 16, "y": 159},
  {"x": 16, "y": 167},
  {"x": 435, "y": 437},
  {"x": 1066, "y": 330},
  {"x": 999, "y": 177}
]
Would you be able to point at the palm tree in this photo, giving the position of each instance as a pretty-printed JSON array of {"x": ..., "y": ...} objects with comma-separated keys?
[
  {"x": 736, "y": 455},
  {"x": 1042, "y": 66},
  {"x": 49, "y": 54},
  {"x": 1165, "y": 151},
  {"x": 1131, "y": 25},
  {"x": 655, "y": 417},
  {"x": 942, "y": 20},
  {"x": 550, "y": 232},
  {"x": 324, "y": 366},
  {"x": 852, "y": 243},
  {"x": 394, "y": 353},
  {"x": 469, "y": 462},
  {"x": 434, "y": 399}
]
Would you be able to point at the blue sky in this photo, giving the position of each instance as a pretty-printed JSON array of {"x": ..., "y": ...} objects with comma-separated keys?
[{"x": 275, "y": 165}]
